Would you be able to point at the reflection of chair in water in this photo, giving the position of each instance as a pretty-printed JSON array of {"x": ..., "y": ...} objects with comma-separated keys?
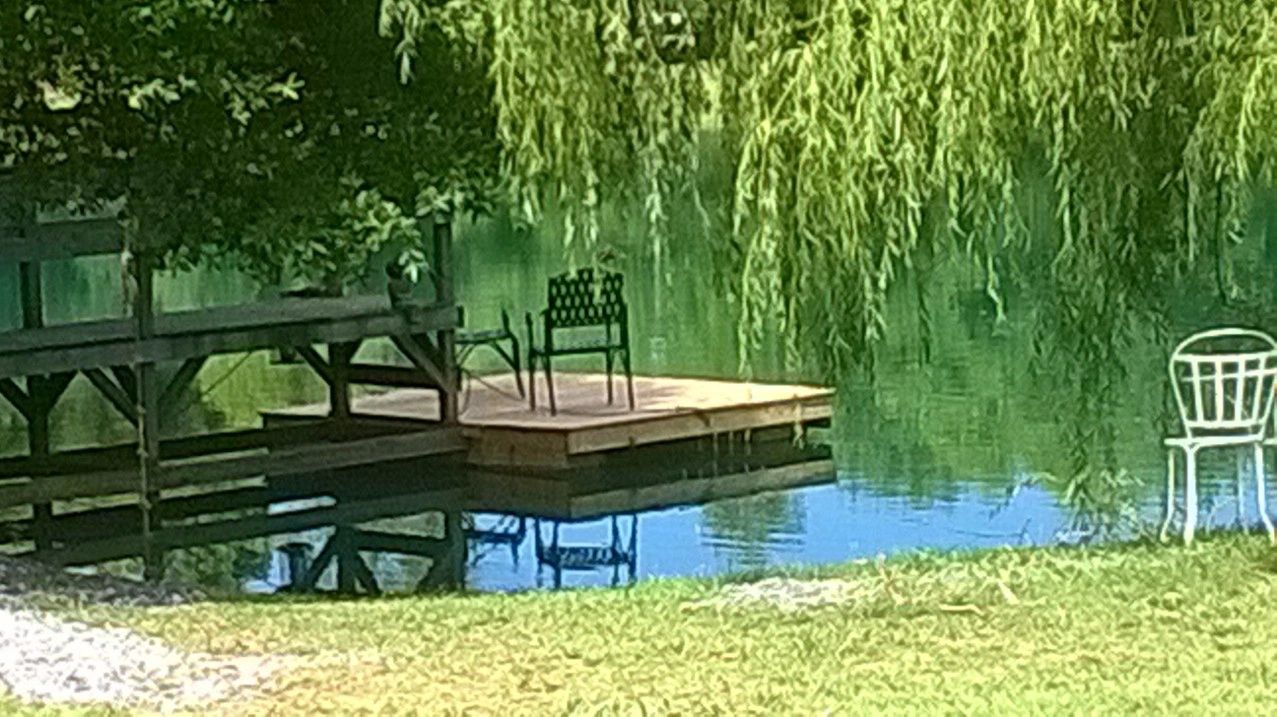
[
  {"x": 1223, "y": 383},
  {"x": 578, "y": 558},
  {"x": 297, "y": 562},
  {"x": 510, "y": 531}
]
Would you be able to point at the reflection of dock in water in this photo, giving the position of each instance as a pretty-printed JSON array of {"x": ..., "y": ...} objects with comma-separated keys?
[
  {"x": 696, "y": 444},
  {"x": 169, "y": 484}
]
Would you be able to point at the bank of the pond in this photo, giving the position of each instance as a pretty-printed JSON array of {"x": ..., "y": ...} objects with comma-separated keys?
[{"x": 1116, "y": 629}]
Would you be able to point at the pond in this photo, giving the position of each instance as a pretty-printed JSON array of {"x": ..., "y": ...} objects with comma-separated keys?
[{"x": 969, "y": 448}]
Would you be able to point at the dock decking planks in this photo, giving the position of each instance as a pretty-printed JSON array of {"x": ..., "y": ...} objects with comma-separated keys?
[{"x": 504, "y": 432}]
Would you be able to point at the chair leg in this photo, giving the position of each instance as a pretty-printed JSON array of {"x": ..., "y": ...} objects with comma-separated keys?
[
  {"x": 611, "y": 359},
  {"x": 532, "y": 382},
  {"x": 629, "y": 378},
  {"x": 1170, "y": 494},
  {"x": 532, "y": 363},
  {"x": 514, "y": 363},
  {"x": 1261, "y": 498},
  {"x": 549, "y": 385},
  {"x": 1238, "y": 493},
  {"x": 1190, "y": 495}
]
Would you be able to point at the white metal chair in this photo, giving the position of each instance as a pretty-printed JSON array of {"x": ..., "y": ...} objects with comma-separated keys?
[{"x": 1223, "y": 383}]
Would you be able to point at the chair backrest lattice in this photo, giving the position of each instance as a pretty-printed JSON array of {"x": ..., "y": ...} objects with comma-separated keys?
[
  {"x": 1223, "y": 381},
  {"x": 579, "y": 300}
]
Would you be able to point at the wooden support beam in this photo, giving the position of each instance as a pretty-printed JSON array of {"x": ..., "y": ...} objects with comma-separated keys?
[
  {"x": 390, "y": 376},
  {"x": 111, "y": 391},
  {"x": 301, "y": 459},
  {"x": 44, "y": 393},
  {"x": 127, "y": 379},
  {"x": 88, "y": 525},
  {"x": 450, "y": 377},
  {"x": 317, "y": 566},
  {"x": 170, "y": 400},
  {"x": 147, "y": 419},
  {"x": 31, "y": 289},
  {"x": 363, "y": 574},
  {"x": 274, "y": 437},
  {"x": 40, "y": 402},
  {"x": 316, "y": 363},
  {"x": 48, "y": 390},
  {"x": 382, "y": 542},
  {"x": 209, "y": 332},
  {"x": 347, "y": 557},
  {"x": 339, "y": 358},
  {"x": 61, "y": 240},
  {"x": 16, "y": 397},
  {"x": 448, "y": 571},
  {"x": 256, "y": 526},
  {"x": 420, "y": 356}
]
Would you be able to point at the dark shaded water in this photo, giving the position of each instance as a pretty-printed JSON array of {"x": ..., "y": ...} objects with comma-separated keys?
[{"x": 952, "y": 453}]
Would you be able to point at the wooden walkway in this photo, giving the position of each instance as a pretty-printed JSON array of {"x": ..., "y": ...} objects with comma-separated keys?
[{"x": 504, "y": 433}]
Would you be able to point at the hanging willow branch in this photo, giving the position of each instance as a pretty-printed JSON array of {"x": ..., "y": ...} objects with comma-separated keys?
[{"x": 864, "y": 131}]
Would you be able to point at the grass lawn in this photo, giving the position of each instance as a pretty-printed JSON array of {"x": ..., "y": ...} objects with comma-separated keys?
[{"x": 1114, "y": 630}]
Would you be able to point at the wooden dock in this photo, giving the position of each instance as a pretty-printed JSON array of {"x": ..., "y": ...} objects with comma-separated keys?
[
  {"x": 427, "y": 442},
  {"x": 503, "y": 433}
]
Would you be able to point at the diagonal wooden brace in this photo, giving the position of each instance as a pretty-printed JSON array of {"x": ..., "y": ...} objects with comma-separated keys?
[
  {"x": 316, "y": 362},
  {"x": 412, "y": 348},
  {"x": 113, "y": 393},
  {"x": 178, "y": 385},
  {"x": 17, "y": 397}
]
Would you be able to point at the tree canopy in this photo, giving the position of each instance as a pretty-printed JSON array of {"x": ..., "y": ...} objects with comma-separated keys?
[
  {"x": 275, "y": 136},
  {"x": 865, "y": 137}
]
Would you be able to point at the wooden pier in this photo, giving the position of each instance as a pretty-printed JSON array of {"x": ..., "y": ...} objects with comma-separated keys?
[{"x": 423, "y": 441}]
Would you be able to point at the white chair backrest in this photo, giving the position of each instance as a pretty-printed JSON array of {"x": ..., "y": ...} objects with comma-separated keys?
[{"x": 1223, "y": 381}]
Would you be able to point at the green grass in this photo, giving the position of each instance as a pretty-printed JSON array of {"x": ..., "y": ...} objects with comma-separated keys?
[{"x": 1125, "y": 629}]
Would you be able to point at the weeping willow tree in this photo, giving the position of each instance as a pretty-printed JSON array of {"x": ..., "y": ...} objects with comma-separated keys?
[
  {"x": 868, "y": 134},
  {"x": 867, "y": 137}
]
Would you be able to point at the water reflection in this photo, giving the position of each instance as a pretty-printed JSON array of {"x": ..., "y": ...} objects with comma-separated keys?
[
  {"x": 840, "y": 520},
  {"x": 972, "y": 447},
  {"x": 744, "y": 532}
]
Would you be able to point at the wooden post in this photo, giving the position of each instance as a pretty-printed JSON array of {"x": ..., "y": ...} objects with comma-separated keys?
[
  {"x": 32, "y": 290},
  {"x": 446, "y": 340},
  {"x": 339, "y": 358},
  {"x": 448, "y": 564},
  {"x": 148, "y": 400},
  {"x": 346, "y": 556},
  {"x": 38, "y": 445}
]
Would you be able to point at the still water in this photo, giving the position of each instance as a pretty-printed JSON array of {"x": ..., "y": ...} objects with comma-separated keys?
[{"x": 969, "y": 448}]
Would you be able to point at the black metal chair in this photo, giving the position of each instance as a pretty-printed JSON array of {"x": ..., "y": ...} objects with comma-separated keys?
[
  {"x": 468, "y": 341},
  {"x": 597, "y": 319}
]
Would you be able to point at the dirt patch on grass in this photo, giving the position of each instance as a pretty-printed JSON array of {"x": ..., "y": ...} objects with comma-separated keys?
[
  {"x": 789, "y": 595},
  {"x": 46, "y": 659}
]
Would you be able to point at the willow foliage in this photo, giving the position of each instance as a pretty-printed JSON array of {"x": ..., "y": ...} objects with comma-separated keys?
[{"x": 868, "y": 135}]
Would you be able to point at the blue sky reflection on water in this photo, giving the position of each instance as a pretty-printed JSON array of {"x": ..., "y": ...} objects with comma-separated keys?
[
  {"x": 826, "y": 524},
  {"x": 816, "y": 525}
]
